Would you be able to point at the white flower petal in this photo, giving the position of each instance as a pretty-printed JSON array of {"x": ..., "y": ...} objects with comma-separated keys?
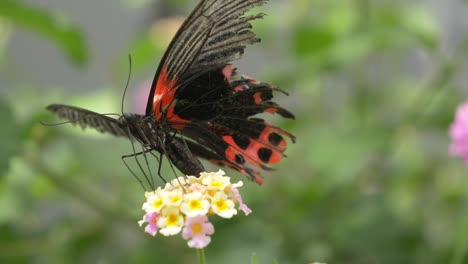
[{"x": 170, "y": 230}]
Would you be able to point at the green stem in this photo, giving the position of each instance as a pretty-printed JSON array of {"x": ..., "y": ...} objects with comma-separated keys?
[{"x": 201, "y": 256}]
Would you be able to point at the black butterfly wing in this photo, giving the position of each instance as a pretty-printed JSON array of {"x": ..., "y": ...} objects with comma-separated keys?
[
  {"x": 86, "y": 118},
  {"x": 198, "y": 92},
  {"x": 221, "y": 106},
  {"x": 214, "y": 34}
]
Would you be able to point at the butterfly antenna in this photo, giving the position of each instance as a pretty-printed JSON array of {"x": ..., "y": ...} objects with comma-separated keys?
[{"x": 128, "y": 82}]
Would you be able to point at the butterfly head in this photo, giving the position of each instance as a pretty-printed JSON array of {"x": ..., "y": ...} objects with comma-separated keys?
[{"x": 128, "y": 118}]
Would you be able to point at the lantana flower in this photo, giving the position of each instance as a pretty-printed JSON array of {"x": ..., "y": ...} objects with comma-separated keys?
[
  {"x": 154, "y": 201},
  {"x": 185, "y": 203},
  {"x": 238, "y": 198},
  {"x": 171, "y": 221},
  {"x": 214, "y": 181},
  {"x": 173, "y": 198},
  {"x": 152, "y": 220},
  {"x": 198, "y": 230},
  {"x": 459, "y": 133},
  {"x": 195, "y": 204},
  {"x": 222, "y": 205}
]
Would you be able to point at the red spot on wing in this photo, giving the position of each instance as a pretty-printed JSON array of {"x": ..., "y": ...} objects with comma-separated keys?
[
  {"x": 231, "y": 153},
  {"x": 251, "y": 153},
  {"x": 239, "y": 88},
  {"x": 264, "y": 137},
  {"x": 259, "y": 180},
  {"x": 176, "y": 121},
  {"x": 164, "y": 93},
  {"x": 275, "y": 157},
  {"x": 164, "y": 100},
  {"x": 258, "y": 98},
  {"x": 227, "y": 71}
]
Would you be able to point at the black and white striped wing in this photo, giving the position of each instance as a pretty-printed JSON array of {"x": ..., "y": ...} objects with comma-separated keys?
[
  {"x": 215, "y": 33},
  {"x": 86, "y": 118}
]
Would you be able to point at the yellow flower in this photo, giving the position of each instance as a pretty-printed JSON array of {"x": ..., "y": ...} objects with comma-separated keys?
[
  {"x": 215, "y": 180},
  {"x": 171, "y": 221},
  {"x": 173, "y": 198},
  {"x": 222, "y": 205},
  {"x": 194, "y": 204},
  {"x": 154, "y": 201}
]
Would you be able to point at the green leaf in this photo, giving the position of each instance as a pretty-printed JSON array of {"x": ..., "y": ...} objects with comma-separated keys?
[
  {"x": 55, "y": 27},
  {"x": 313, "y": 39}
]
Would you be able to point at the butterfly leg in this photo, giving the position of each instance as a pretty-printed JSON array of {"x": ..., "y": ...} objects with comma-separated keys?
[
  {"x": 138, "y": 161},
  {"x": 160, "y": 165},
  {"x": 134, "y": 155},
  {"x": 131, "y": 171},
  {"x": 164, "y": 151},
  {"x": 147, "y": 164}
]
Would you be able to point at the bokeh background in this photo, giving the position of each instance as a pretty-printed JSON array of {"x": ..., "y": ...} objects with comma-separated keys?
[{"x": 374, "y": 85}]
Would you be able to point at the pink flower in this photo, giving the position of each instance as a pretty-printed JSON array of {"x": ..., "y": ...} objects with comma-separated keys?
[
  {"x": 238, "y": 198},
  {"x": 198, "y": 230},
  {"x": 141, "y": 97},
  {"x": 459, "y": 133},
  {"x": 152, "y": 220}
]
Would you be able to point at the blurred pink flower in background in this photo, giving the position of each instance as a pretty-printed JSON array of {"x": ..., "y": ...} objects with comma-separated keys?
[
  {"x": 141, "y": 97},
  {"x": 459, "y": 133}
]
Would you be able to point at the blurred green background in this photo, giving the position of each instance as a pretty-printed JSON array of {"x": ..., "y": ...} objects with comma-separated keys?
[{"x": 373, "y": 84}]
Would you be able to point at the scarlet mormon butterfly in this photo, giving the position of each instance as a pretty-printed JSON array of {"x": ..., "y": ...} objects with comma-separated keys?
[{"x": 199, "y": 106}]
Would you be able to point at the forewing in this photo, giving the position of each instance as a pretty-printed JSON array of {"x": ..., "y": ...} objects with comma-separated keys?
[
  {"x": 86, "y": 118},
  {"x": 215, "y": 33}
]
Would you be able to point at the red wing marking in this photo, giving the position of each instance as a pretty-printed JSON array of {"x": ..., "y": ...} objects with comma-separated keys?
[
  {"x": 164, "y": 93},
  {"x": 176, "y": 121},
  {"x": 227, "y": 71},
  {"x": 258, "y": 98},
  {"x": 271, "y": 110},
  {"x": 239, "y": 88},
  {"x": 255, "y": 153},
  {"x": 163, "y": 101},
  {"x": 273, "y": 136}
]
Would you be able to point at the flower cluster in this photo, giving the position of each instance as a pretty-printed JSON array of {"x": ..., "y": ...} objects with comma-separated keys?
[
  {"x": 185, "y": 203},
  {"x": 459, "y": 133}
]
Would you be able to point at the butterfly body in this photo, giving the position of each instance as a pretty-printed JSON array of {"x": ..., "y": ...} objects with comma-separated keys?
[{"x": 199, "y": 106}]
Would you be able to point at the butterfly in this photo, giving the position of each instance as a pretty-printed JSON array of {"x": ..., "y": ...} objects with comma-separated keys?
[{"x": 199, "y": 105}]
